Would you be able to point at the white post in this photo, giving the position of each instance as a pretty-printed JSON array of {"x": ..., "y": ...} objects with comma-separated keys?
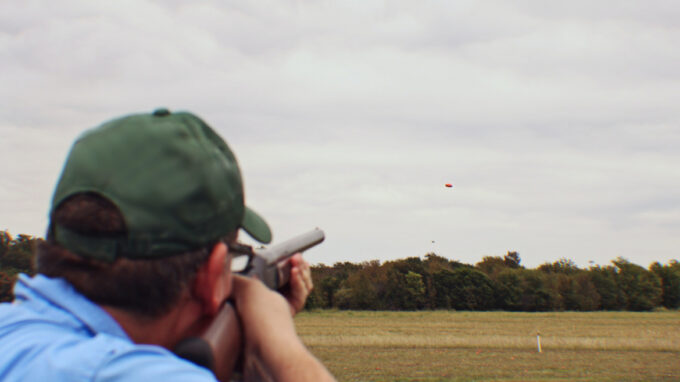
[{"x": 538, "y": 341}]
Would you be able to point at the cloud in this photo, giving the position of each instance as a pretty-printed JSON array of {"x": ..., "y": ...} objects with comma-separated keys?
[{"x": 557, "y": 125}]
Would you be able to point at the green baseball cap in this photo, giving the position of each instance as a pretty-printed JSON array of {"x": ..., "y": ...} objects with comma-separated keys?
[{"x": 174, "y": 180}]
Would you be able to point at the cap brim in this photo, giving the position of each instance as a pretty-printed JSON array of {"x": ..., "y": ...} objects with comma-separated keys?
[{"x": 256, "y": 227}]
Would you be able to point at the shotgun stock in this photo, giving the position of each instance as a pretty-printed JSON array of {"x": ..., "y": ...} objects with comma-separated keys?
[{"x": 219, "y": 347}]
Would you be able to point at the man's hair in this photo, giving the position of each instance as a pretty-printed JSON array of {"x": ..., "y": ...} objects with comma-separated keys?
[{"x": 144, "y": 287}]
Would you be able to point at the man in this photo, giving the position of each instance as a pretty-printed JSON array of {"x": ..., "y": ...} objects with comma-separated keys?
[{"x": 137, "y": 258}]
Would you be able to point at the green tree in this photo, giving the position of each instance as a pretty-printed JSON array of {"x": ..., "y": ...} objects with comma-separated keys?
[
  {"x": 328, "y": 286},
  {"x": 432, "y": 265},
  {"x": 325, "y": 286},
  {"x": 394, "y": 294},
  {"x": 16, "y": 256},
  {"x": 535, "y": 294},
  {"x": 669, "y": 275},
  {"x": 512, "y": 260},
  {"x": 5, "y": 241},
  {"x": 572, "y": 291},
  {"x": 6, "y": 285},
  {"x": 563, "y": 265},
  {"x": 327, "y": 281},
  {"x": 641, "y": 287},
  {"x": 464, "y": 289},
  {"x": 414, "y": 291},
  {"x": 586, "y": 297},
  {"x": 507, "y": 287},
  {"x": 491, "y": 265},
  {"x": 443, "y": 282},
  {"x": 357, "y": 292},
  {"x": 605, "y": 281},
  {"x": 17, "y": 253}
]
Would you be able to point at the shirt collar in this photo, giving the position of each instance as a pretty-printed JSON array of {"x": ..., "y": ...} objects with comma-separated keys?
[{"x": 60, "y": 294}]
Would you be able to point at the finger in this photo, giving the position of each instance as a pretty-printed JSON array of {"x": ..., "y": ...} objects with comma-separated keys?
[
  {"x": 301, "y": 288},
  {"x": 307, "y": 276},
  {"x": 296, "y": 259},
  {"x": 293, "y": 296},
  {"x": 299, "y": 264}
]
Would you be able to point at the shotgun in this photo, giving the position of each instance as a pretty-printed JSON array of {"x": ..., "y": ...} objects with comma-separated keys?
[{"x": 219, "y": 347}]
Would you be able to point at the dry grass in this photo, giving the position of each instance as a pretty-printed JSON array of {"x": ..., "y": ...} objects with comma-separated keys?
[{"x": 495, "y": 345}]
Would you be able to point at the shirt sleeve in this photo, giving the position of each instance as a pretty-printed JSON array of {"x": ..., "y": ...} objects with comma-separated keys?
[{"x": 150, "y": 364}]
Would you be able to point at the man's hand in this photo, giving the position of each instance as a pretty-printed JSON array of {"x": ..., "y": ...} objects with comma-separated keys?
[
  {"x": 272, "y": 350},
  {"x": 301, "y": 284},
  {"x": 262, "y": 311}
]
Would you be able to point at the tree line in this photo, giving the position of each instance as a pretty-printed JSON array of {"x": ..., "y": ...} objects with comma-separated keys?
[
  {"x": 495, "y": 283},
  {"x": 16, "y": 256},
  {"x": 435, "y": 282}
]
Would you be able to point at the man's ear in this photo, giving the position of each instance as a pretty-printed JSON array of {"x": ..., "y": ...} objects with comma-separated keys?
[{"x": 213, "y": 280}]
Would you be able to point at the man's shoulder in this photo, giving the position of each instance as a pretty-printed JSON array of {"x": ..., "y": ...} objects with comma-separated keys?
[
  {"x": 35, "y": 346},
  {"x": 148, "y": 362}
]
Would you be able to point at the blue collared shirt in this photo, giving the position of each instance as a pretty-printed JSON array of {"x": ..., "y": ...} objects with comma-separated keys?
[{"x": 53, "y": 333}]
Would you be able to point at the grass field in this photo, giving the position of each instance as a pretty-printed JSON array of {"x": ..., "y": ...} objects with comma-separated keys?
[{"x": 495, "y": 346}]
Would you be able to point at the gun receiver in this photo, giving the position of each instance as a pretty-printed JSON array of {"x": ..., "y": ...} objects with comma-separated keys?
[
  {"x": 219, "y": 347},
  {"x": 270, "y": 265}
]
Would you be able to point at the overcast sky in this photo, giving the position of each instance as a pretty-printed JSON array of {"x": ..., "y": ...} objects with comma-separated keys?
[{"x": 558, "y": 123}]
